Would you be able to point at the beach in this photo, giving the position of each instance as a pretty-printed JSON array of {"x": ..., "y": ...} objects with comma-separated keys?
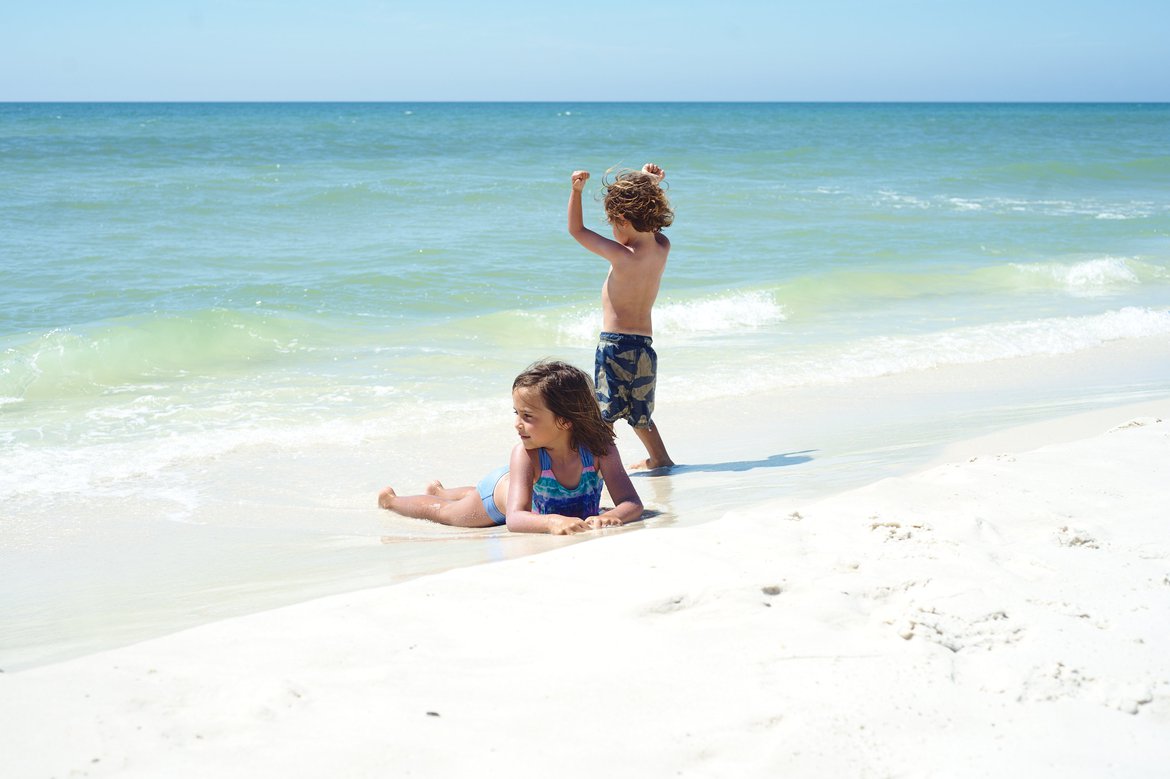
[
  {"x": 911, "y": 363},
  {"x": 224, "y": 328},
  {"x": 999, "y": 613}
]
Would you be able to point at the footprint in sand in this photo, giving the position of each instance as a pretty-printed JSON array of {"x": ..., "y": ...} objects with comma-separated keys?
[
  {"x": 894, "y": 531},
  {"x": 1067, "y": 536},
  {"x": 670, "y": 605},
  {"x": 1055, "y": 682},
  {"x": 987, "y": 531},
  {"x": 957, "y": 632},
  {"x": 1137, "y": 422},
  {"x": 771, "y": 591}
]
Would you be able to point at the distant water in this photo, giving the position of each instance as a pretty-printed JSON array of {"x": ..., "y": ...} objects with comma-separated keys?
[{"x": 182, "y": 282}]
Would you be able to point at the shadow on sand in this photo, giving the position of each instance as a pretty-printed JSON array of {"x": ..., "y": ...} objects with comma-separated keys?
[{"x": 774, "y": 461}]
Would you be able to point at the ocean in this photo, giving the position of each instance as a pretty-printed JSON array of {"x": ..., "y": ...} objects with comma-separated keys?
[{"x": 224, "y": 327}]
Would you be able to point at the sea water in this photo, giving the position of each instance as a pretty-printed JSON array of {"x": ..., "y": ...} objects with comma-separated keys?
[{"x": 223, "y": 327}]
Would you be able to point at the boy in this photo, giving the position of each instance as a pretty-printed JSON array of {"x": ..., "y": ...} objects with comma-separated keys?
[{"x": 626, "y": 365}]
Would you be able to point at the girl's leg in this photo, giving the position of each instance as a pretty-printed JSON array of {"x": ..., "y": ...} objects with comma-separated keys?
[
  {"x": 466, "y": 511},
  {"x": 437, "y": 489}
]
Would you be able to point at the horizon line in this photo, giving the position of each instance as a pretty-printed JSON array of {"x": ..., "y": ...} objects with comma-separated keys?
[{"x": 542, "y": 101}]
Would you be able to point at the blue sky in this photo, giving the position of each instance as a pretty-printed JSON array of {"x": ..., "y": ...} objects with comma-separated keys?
[{"x": 602, "y": 50}]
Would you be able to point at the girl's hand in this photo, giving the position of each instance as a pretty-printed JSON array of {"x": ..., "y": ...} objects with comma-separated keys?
[
  {"x": 579, "y": 178},
  {"x": 565, "y": 526},
  {"x": 603, "y": 521}
]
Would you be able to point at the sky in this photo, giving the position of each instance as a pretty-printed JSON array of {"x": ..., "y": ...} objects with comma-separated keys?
[{"x": 599, "y": 50}]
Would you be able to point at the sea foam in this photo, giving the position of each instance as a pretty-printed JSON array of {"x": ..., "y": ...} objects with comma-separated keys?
[
  {"x": 711, "y": 315},
  {"x": 884, "y": 355},
  {"x": 1089, "y": 277}
]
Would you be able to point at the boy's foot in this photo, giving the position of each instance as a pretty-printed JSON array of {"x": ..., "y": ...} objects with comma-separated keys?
[
  {"x": 652, "y": 440},
  {"x": 649, "y": 464},
  {"x": 386, "y": 497},
  {"x": 435, "y": 487}
]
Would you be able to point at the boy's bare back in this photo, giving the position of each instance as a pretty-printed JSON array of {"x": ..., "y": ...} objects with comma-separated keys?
[{"x": 637, "y": 257}]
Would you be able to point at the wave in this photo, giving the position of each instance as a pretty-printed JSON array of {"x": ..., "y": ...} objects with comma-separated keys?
[
  {"x": 878, "y": 356},
  {"x": 682, "y": 318},
  {"x": 1006, "y": 340},
  {"x": 90, "y": 360},
  {"x": 1014, "y": 206},
  {"x": 132, "y": 449},
  {"x": 741, "y": 311},
  {"x": 106, "y": 467},
  {"x": 101, "y": 445},
  {"x": 1090, "y": 277},
  {"x": 1074, "y": 277},
  {"x": 707, "y": 315}
]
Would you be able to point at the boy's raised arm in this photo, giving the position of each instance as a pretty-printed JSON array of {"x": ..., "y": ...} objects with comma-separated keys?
[
  {"x": 576, "y": 220},
  {"x": 598, "y": 244}
]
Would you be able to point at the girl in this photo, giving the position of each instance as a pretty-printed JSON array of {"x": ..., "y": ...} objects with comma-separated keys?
[{"x": 553, "y": 481}]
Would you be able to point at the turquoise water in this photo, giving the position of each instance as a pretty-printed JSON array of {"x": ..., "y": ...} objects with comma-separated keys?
[
  {"x": 232, "y": 259},
  {"x": 344, "y": 289}
]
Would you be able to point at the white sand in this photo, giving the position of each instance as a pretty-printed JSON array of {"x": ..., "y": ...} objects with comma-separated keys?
[{"x": 1001, "y": 615}]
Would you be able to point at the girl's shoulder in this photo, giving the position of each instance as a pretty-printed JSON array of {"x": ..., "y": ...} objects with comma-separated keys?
[
  {"x": 521, "y": 454},
  {"x": 611, "y": 460}
]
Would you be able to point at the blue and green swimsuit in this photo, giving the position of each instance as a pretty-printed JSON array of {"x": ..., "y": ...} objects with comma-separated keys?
[{"x": 549, "y": 496}]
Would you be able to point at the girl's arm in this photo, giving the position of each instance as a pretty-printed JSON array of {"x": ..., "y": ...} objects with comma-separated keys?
[
  {"x": 521, "y": 517},
  {"x": 627, "y": 505}
]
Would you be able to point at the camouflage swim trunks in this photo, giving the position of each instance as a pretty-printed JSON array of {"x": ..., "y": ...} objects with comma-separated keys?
[{"x": 625, "y": 371}]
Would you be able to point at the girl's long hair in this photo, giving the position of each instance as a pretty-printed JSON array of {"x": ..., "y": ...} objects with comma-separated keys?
[{"x": 568, "y": 393}]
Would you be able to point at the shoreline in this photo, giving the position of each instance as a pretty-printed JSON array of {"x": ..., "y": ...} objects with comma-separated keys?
[
  {"x": 126, "y": 570},
  {"x": 991, "y": 613}
]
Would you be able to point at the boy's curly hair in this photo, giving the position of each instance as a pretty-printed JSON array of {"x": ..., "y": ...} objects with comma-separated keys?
[{"x": 636, "y": 197}]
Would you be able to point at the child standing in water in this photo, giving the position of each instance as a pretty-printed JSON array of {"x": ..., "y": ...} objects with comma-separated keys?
[
  {"x": 553, "y": 482},
  {"x": 626, "y": 367}
]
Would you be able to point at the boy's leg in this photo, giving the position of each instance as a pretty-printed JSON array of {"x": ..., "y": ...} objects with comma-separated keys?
[
  {"x": 652, "y": 440},
  {"x": 642, "y": 385},
  {"x": 606, "y": 396},
  {"x": 625, "y": 372}
]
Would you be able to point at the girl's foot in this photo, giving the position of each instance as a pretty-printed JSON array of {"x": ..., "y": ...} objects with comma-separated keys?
[{"x": 386, "y": 497}]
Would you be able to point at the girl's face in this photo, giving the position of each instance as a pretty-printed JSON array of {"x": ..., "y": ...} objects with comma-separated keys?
[{"x": 537, "y": 426}]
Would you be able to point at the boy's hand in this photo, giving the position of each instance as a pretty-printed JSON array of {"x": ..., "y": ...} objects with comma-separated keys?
[
  {"x": 579, "y": 179},
  {"x": 654, "y": 171}
]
